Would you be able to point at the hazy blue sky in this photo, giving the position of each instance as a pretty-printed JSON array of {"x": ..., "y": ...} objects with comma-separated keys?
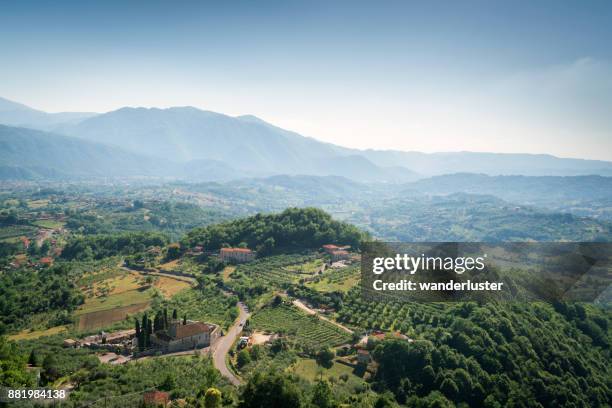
[{"x": 510, "y": 76}]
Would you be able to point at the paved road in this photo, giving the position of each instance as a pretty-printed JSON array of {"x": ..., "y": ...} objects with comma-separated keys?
[
  {"x": 310, "y": 311},
  {"x": 223, "y": 345}
]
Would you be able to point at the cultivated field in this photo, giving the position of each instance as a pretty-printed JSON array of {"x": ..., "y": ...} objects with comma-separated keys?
[
  {"x": 336, "y": 279},
  {"x": 309, "y": 331},
  {"x": 120, "y": 294}
]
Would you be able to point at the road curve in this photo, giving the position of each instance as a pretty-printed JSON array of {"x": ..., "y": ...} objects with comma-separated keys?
[{"x": 223, "y": 345}]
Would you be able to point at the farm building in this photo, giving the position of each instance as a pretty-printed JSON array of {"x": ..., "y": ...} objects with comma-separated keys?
[
  {"x": 238, "y": 255},
  {"x": 188, "y": 336}
]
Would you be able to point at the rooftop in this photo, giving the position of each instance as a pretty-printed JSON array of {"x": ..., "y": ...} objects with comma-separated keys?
[{"x": 235, "y": 250}]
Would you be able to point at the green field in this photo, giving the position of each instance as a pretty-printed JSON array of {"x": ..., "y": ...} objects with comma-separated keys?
[
  {"x": 256, "y": 280},
  {"x": 51, "y": 224},
  {"x": 336, "y": 279},
  {"x": 208, "y": 305},
  {"x": 15, "y": 231},
  {"x": 307, "y": 330},
  {"x": 309, "y": 369}
]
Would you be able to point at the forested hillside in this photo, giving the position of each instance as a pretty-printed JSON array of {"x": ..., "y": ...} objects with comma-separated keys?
[{"x": 293, "y": 228}]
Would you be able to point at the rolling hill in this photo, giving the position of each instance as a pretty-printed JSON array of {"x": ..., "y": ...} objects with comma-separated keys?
[
  {"x": 581, "y": 195},
  {"x": 30, "y": 154}
]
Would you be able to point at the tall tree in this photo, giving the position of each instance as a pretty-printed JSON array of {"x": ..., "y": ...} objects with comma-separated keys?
[
  {"x": 322, "y": 396},
  {"x": 270, "y": 390},
  {"x": 212, "y": 398}
]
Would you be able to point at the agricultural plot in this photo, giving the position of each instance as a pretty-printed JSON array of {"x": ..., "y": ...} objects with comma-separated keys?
[
  {"x": 276, "y": 271},
  {"x": 112, "y": 295},
  {"x": 50, "y": 224},
  {"x": 209, "y": 305},
  {"x": 34, "y": 204},
  {"x": 336, "y": 279},
  {"x": 309, "y": 369},
  {"x": 13, "y": 232},
  {"x": 34, "y": 334},
  {"x": 308, "y": 331},
  {"x": 405, "y": 317}
]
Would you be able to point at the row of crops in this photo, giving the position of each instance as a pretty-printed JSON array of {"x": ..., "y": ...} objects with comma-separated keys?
[
  {"x": 274, "y": 271},
  {"x": 308, "y": 330},
  {"x": 405, "y": 317}
]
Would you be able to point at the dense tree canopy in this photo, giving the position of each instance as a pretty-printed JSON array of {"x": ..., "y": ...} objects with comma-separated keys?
[
  {"x": 102, "y": 246},
  {"x": 293, "y": 228},
  {"x": 24, "y": 293}
]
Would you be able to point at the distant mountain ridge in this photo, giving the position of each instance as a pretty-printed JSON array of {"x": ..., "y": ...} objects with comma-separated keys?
[
  {"x": 244, "y": 143},
  {"x": 212, "y": 146},
  {"x": 17, "y": 114},
  {"x": 31, "y": 154}
]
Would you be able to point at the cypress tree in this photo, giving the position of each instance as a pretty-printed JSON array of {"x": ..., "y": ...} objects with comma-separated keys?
[
  {"x": 33, "y": 359},
  {"x": 157, "y": 322},
  {"x": 140, "y": 336},
  {"x": 146, "y": 327}
]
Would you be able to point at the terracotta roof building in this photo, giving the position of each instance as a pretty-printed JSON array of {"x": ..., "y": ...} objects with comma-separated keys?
[
  {"x": 239, "y": 255},
  {"x": 188, "y": 336}
]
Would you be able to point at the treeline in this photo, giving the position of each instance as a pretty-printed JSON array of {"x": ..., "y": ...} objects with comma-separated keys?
[
  {"x": 293, "y": 228},
  {"x": 96, "y": 247},
  {"x": 25, "y": 293}
]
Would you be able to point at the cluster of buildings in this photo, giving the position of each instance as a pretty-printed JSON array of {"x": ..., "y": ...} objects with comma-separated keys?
[
  {"x": 179, "y": 336},
  {"x": 119, "y": 341}
]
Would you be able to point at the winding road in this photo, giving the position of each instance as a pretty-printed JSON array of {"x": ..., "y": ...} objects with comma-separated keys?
[{"x": 223, "y": 345}]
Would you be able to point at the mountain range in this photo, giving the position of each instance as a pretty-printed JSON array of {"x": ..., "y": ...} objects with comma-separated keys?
[{"x": 189, "y": 143}]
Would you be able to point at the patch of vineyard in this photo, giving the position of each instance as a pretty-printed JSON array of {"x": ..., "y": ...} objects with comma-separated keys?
[
  {"x": 308, "y": 330},
  {"x": 270, "y": 271},
  {"x": 405, "y": 317}
]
